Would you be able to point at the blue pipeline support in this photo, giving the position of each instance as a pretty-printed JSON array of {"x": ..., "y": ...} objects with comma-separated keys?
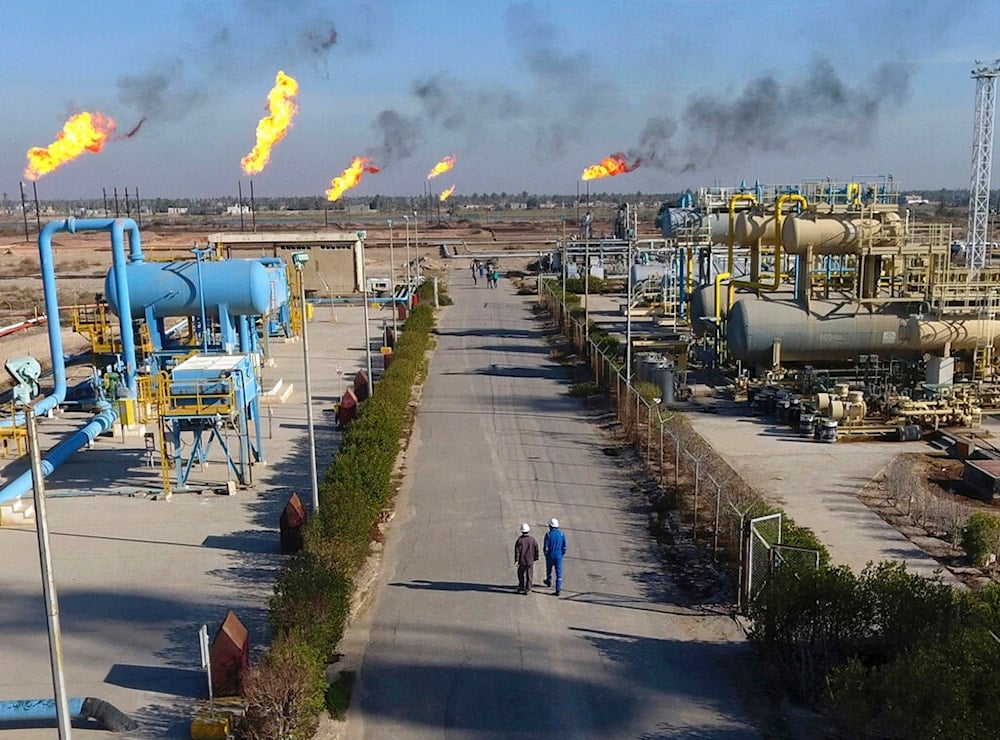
[
  {"x": 103, "y": 421},
  {"x": 47, "y": 263},
  {"x": 35, "y": 710},
  {"x": 61, "y": 453}
]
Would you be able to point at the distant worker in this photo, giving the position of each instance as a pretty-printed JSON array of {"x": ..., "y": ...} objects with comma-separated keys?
[
  {"x": 554, "y": 547},
  {"x": 621, "y": 222},
  {"x": 525, "y": 555},
  {"x": 586, "y": 225},
  {"x": 496, "y": 277},
  {"x": 475, "y": 272}
]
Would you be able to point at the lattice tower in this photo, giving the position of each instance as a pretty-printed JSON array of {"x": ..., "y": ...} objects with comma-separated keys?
[{"x": 982, "y": 157}]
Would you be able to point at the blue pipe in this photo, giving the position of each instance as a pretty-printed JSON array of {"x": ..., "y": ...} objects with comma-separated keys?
[
  {"x": 34, "y": 710},
  {"x": 103, "y": 421},
  {"x": 47, "y": 263},
  {"x": 61, "y": 453}
]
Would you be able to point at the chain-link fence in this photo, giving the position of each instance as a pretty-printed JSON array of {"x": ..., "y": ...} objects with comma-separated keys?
[{"x": 710, "y": 499}]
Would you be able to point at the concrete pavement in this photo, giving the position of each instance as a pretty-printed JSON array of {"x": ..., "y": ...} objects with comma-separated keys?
[
  {"x": 450, "y": 650},
  {"x": 137, "y": 575}
]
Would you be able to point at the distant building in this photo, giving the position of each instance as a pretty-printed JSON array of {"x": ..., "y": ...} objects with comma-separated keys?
[
  {"x": 177, "y": 211},
  {"x": 236, "y": 210}
]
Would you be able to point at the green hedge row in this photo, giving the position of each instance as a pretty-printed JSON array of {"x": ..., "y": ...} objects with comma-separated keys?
[
  {"x": 312, "y": 594},
  {"x": 886, "y": 653}
]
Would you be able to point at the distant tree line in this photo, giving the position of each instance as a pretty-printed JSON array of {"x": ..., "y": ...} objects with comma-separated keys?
[{"x": 941, "y": 202}]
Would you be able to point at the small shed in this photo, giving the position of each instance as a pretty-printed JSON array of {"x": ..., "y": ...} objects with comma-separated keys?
[{"x": 982, "y": 477}]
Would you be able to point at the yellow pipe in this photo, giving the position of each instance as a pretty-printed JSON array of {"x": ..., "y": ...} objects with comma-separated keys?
[
  {"x": 757, "y": 284},
  {"x": 690, "y": 271},
  {"x": 794, "y": 197},
  {"x": 738, "y": 198},
  {"x": 718, "y": 294}
]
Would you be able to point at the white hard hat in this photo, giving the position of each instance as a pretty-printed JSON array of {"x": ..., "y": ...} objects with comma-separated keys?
[
  {"x": 553, "y": 522},
  {"x": 525, "y": 528}
]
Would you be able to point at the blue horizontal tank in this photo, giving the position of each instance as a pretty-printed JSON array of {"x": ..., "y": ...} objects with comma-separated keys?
[{"x": 171, "y": 288}]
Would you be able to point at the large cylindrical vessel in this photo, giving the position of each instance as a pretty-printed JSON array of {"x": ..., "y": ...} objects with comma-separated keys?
[
  {"x": 172, "y": 288},
  {"x": 838, "y": 331},
  {"x": 833, "y": 332},
  {"x": 750, "y": 228},
  {"x": 835, "y": 234},
  {"x": 674, "y": 222}
]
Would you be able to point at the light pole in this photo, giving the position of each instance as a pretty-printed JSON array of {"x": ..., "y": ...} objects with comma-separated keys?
[
  {"x": 416, "y": 245},
  {"x": 299, "y": 259},
  {"x": 392, "y": 281},
  {"x": 628, "y": 314},
  {"x": 362, "y": 235},
  {"x": 48, "y": 582},
  {"x": 407, "y": 219}
]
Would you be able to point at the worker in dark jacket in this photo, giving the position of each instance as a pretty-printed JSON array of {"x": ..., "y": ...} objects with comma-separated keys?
[
  {"x": 554, "y": 547},
  {"x": 525, "y": 555}
]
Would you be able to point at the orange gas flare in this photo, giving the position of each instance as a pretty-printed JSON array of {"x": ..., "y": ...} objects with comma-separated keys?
[
  {"x": 82, "y": 132},
  {"x": 609, "y": 166},
  {"x": 272, "y": 128},
  {"x": 445, "y": 194},
  {"x": 443, "y": 166},
  {"x": 350, "y": 177}
]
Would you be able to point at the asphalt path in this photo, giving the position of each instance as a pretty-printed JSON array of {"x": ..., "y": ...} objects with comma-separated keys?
[{"x": 450, "y": 649}]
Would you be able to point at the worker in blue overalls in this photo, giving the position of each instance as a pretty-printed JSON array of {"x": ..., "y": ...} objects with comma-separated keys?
[{"x": 554, "y": 548}]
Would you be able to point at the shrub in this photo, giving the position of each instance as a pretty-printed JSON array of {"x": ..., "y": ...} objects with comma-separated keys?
[
  {"x": 584, "y": 390},
  {"x": 312, "y": 594},
  {"x": 283, "y": 694},
  {"x": 981, "y": 537}
]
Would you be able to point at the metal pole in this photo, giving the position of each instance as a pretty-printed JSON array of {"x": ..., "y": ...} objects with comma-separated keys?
[
  {"x": 253, "y": 210},
  {"x": 38, "y": 211},
  {"x": 48, "y": 582},
  {"x": 104, "y": 192},
  {"x": 392, "y": 280},
  {"x": 407, "y": 220},
  {"x": 117, "y": 212},
  {"x": 416, "y": 244},
  {"x": 368, "y": 338},
  {"x": 239, "y": 205},
  {"x": 198, "y": 254},
  {"x": 24, "y": 213},
  {"x": 138, "y": 209},
  {"x": 586, "y": 285},
  {"x": 628, "y": 314},
  {"x": 313, "y": 479}
]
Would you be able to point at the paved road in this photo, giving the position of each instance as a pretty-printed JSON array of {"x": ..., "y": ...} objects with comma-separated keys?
[{"x": 452, "y": 650}]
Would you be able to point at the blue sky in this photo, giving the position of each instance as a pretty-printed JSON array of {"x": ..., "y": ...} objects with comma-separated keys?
[{"x": 525, "y": 94}]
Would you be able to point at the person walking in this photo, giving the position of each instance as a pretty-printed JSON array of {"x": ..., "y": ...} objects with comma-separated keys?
[
  {"x": 554, "y": 546},
  {"x": 525, "y": 555}
]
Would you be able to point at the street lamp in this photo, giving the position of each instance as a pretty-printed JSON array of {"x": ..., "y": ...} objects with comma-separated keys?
[
  {"x": 362, "y": 235},
  {"x": 63, "y": 716},
  {"x": 416, "y": 246},
  {"x": 392, "y": 281},
  {"x": 407, "y": 219},
  {"x": 299, "y": 260}
]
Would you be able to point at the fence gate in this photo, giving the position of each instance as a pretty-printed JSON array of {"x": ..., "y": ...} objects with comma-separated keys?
[{"x": 761, "y": 534}]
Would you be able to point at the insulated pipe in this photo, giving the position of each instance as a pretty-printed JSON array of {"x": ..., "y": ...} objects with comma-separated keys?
[
  {"x": 61, "y": 453},
  {"x": 34, "y": 710}
]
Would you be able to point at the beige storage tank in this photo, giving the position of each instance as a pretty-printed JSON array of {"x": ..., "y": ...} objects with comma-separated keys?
[{"x": 837, "y": 234}]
